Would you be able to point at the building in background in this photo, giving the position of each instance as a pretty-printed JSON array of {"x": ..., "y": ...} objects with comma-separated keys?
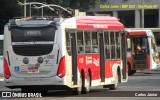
[{"x": 132, "y": 13}]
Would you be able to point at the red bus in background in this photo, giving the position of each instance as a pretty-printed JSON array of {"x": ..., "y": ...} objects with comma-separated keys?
[{"x": 142, "y": 51}]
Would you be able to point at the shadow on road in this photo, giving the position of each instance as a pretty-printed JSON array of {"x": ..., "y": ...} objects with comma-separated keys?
[
  {"x": 63, "y": 93},
  {"x": 146, "y": 73}
]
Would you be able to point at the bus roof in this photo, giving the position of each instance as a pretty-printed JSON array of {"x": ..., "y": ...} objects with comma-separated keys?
[
  {"x": 152, "y": 29},
  {"x": 97, "y": 22},
  {"x": 140, "y": 32},
  {"x": 78, "y": 22}
]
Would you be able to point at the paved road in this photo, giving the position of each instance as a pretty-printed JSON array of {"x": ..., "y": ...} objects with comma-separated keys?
[{"x": 138, "y": 85}]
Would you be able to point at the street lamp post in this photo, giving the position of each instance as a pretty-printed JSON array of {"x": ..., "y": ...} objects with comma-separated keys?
[
  {"x": 142, "y": 14},
  {"x": 42, "y": 12},
  {"x": 24, "y": 8},
  {"x": 30, "y": 10}
]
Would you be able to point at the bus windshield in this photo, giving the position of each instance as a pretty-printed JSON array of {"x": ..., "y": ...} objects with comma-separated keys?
[
  {"x": 142, "y": 41},
  {"x": 29, "y": 34}
]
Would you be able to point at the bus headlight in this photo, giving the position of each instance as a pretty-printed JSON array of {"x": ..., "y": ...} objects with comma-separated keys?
[
  {"x": 25, "y": 60},
  {"x": 40, "y": 60}
]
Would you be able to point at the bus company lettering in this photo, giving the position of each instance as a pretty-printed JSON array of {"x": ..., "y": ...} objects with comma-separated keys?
[
  {"x": 90, "y": 60},
  {"x": 32, "y": 33},
  {"x": 100, "y": 26},
  {"x": 81, "y": 60},
  {"x": 50, "y": 56},
  {"x": 96, "y": 61}
]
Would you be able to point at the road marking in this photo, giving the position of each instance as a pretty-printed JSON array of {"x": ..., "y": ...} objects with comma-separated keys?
[{"x": 1, "y": 79}]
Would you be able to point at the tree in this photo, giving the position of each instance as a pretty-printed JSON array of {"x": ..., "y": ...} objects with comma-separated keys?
[{"x": 8, "y": 9}]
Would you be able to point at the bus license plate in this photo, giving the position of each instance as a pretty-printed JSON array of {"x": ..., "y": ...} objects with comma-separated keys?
[{"x": 33, "y": 70}]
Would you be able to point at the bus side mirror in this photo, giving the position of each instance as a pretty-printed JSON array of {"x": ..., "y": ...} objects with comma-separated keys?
[{"x": 128, "y": 43}]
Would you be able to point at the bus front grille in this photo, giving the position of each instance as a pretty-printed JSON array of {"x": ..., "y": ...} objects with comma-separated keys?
[{"x": 32, "y": 50}]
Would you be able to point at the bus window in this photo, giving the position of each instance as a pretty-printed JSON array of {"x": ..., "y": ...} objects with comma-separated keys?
[
  {"x": 80, "y": 44},
  {"x": 140, "y": 44},
  {"x": 144, "y": 43},
  {"x": 128, "y": 43},
  {"x": 68, "y": 43},
  {"x": 27, "y": 34},
  {"x": 32, "y": 35},
  {"x": 94, "y": 42},
  {"x": 118, "y": 45},
  {"x": 87, "y": 42}
]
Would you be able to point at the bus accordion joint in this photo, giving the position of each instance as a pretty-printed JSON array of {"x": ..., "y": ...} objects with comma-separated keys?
[{"x": 62, "y": 68}]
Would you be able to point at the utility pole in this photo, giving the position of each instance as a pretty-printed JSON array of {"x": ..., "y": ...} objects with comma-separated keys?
[
  {"x": 24, "y": 9},
  {"x": 142, "y": 14},
  {"x": 42, "y": 12}
]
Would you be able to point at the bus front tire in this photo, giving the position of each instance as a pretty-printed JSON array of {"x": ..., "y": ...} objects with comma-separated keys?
[
  {"x": 86, "y": 88},
  {"x": 78, "y": 90},
  {"x": 130, "y": 71},
  {"x": 114, "y": 86}
]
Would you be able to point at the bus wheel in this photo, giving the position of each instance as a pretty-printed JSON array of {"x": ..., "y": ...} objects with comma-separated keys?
[
  {"x": 130, "y": 71},
  {"x": 88, "y": 83},
  {"x": 78, "y": 90},
  {"x": 114, "y": 86}
]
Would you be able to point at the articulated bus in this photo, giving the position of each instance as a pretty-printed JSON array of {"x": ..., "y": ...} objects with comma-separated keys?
[
  {"x": 1, "y": 53},
  {"x": 77, "y": 53},
  {"x": 142, "y": 51}
]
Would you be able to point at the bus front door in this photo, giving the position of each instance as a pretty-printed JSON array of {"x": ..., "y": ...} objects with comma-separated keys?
[
  {"x": 74, "y": 58},
  {"x": 140, "y": 60}
]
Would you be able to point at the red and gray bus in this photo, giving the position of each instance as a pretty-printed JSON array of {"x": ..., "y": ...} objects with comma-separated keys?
[{"x": 77, "y": 53}]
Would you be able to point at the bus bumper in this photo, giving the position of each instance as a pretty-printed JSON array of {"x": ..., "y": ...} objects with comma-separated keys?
[{"x": 18, "y": 82}]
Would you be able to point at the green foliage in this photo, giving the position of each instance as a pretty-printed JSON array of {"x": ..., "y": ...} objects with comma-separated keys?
[{"x": 8, "y": 9}]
